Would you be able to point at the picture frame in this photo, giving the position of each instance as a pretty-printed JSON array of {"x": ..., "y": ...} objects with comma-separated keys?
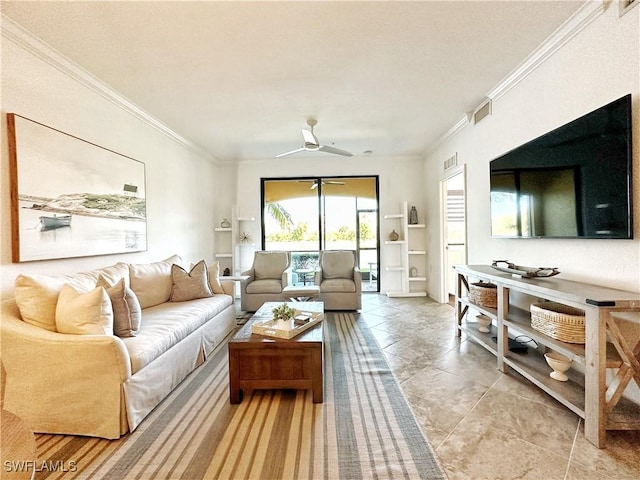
[{"x": 70, "y": 197}]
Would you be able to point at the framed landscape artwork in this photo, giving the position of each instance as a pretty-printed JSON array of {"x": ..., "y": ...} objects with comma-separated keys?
[{"x": 70, "y": 197}]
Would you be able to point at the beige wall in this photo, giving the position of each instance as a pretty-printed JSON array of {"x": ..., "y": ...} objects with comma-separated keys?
[
  {"x": 595, "y": 67},
  {"x": 184, "y": 188}
]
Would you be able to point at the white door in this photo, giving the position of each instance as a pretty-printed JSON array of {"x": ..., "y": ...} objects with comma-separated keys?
[{"x": 454, "y": 228}]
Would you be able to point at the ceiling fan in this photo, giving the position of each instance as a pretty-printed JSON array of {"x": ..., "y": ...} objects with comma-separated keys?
[
  {"x": 312, "y": 144},
  {"x": 314, "y": 183}
]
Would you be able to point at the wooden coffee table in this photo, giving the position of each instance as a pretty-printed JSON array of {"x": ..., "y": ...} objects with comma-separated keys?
[{"x": 260, "y": 362}]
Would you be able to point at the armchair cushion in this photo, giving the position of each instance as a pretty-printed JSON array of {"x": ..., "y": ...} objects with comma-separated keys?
[
  {"x": 337, "y": 264},
  {"x": 267, "y": 285},
  {"x": 338, "y": 285},
  {"x": 270, "y": 265}
]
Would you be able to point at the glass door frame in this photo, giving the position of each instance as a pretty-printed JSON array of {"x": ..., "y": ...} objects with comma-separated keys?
[{"x": 321, "y": 213}]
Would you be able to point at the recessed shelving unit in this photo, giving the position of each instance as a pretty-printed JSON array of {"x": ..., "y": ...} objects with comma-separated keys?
[
  {"x": 228, "y": 243},
  {"x": 408, "y": 256},
  {"x": 587, "y": 393}
]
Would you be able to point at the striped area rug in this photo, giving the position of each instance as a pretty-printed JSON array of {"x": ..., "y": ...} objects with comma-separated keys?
[{"x": 363, "y": 430}]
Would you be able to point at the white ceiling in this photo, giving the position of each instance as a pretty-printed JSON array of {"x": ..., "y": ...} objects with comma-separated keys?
[{"x": 240, "y": 79}]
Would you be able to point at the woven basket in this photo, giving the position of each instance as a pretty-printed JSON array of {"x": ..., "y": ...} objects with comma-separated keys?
[
  {"x": 558, "y": 321},
  {"x": 484, "y": 294}
]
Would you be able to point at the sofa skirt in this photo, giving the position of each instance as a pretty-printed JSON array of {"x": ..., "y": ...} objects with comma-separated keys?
[{"x": 146, "y": 389}]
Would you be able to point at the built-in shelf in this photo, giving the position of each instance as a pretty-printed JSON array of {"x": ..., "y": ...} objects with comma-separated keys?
[
  {"x": 228, "y": 238},
  {"x": 398, "y": 222}
]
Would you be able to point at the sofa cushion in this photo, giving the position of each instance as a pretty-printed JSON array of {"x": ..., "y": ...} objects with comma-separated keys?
[
  {"x": 84, "y": 313},
  {"x": 37, "y": 295},
  {"x": 338, "y": 264},
  {"x": 338, "y": 285},
  {"x": 214, "y": 278},
  {"x": 151, "y": 282},
  {"x": 190, "y": 285},
  {"x": 270, "y": 265},
  {"x": 127, "y": 312},
  {"x": 265, "y": 286},
  {"x": 166, "y": 324}
]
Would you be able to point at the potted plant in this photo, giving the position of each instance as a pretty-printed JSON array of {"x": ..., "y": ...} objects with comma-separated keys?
[{"x": 283, "y": 312}]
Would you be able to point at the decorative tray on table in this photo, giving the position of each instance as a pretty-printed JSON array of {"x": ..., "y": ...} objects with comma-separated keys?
[
  {"x": 525, "y": 272},
  {"x": 287, "y": 329}
]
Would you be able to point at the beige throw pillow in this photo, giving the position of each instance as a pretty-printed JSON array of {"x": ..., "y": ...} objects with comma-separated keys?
[
  {"x": 214, "y": 278},
  {"x": 84, "y": 313},
  {"x": 190, "y": 285},
  {"x": 151, "y": 282},
  {"x": 127, "y": 313}
]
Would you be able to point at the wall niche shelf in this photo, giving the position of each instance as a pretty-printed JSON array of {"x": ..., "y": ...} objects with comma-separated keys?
[
  {"x": 407, "y": 256},
  {"x": 228, "y": 243},
  {"x": 601, "y": 403}
]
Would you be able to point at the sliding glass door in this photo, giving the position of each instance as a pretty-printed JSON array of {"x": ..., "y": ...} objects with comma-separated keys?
[{"x": 306, "y": 215}]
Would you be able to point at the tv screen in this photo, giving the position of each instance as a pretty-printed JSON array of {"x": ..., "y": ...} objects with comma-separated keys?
[{"x": 573, "y": 182}]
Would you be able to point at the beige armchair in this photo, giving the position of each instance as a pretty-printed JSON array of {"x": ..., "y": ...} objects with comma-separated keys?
[
  {"x": 339, "y": 280},
  {"x": 267, "y": 279}
]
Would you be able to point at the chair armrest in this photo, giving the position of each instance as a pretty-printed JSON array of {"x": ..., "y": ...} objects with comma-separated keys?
[
  {"x": 357, "y": 278},
  {"x": 285, "y": 279},
  {"x": 246, "y": 281},
  {"x": 317, "y": 277}
]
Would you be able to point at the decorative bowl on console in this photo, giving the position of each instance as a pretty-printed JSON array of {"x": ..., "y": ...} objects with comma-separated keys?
[
  {"x": 484, "y": 323},
  {"x": 525, "y": 272},
  {"x": 559, "y": 363}
]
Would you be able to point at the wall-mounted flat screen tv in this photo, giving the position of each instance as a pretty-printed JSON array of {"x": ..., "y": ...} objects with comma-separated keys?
[{"x": 573, "y": 182}]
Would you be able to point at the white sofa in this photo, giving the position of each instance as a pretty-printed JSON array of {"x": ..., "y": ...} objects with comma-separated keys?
[{"x": 101, "y": 384}]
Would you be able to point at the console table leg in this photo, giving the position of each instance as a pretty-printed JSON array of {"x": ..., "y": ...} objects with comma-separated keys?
[{"x": 595, "y": 376}]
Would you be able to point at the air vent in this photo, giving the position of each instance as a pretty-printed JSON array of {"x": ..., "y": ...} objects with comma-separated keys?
[
  {"x": 483, "y": 111},
  {"x": 451, "y": 161}
]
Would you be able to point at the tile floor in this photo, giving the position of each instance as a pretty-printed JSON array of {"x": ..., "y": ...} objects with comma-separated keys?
[{"x": 484, "y": 424}]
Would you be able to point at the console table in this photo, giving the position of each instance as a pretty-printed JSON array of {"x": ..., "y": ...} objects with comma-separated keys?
[{"x": 587, "y": 393}]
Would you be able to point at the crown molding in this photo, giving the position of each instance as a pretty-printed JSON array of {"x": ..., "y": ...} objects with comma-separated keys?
[
  {"x": 457, "y": 127},
  {"x": 563, "y": 34},
  {"x": 32, "y": 44}
]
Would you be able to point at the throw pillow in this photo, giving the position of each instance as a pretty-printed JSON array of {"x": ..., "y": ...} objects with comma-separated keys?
[
  {"x": 127, "y": 314},
  {"x": 37, "y": 295},
  {"x": 84, "y": 313},
  {"x": 151, "y": 282},
  {"x": 190, "y": 285},
  {"x": 214, "y": 278}
]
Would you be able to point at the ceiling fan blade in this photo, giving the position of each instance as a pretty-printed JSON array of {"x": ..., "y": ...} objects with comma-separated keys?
[
  {"x": 334, "y": 183},
  {"x": 309, "y": 137},
  {"x": 291, "y": 152},
  {"x": 313, "y": 186},
  {"x": 337, "y": 151}
]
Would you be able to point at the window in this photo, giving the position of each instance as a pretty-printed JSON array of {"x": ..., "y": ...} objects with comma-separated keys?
[{"x": 308, "y": 214}]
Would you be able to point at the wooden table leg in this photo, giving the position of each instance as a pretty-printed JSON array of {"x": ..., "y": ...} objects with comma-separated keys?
[
  {"x": 235, "y": 395},
  {"x": 317, "y": 380}
]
